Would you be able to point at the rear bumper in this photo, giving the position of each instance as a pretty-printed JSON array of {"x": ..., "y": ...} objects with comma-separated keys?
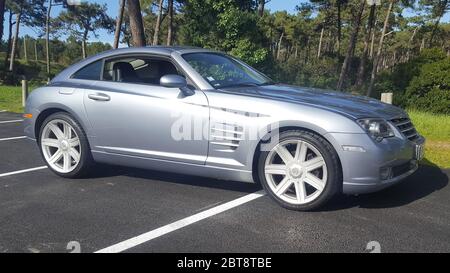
[{"x": 362, "y": 169}]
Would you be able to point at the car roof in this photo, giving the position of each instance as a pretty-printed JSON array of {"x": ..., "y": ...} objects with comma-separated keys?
[
  {"x": 163, "y": 50},
  {"x": 158, "y": 50}
]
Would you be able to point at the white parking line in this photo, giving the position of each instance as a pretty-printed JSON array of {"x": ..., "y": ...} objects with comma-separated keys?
[
  {"x": 145, "y": 237},
  {"x": 23, "y": 171},
  {"x": 12, "y": 138},
  {"x": 2, "y": 111},
  {"x": 11, "y": 121}
]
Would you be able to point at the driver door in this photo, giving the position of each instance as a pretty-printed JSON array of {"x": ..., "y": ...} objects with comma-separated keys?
[{"x": 131, "y": 114}]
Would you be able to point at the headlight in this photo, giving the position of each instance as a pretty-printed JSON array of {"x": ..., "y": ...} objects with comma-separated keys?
[{"x": 376, "y": 128}]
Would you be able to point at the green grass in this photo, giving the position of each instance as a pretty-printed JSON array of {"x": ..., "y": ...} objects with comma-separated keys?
[
  {"x": 11, "y": 98},
  {"x": 432, "y": 126},
  {"x": 435, "y": 128}
]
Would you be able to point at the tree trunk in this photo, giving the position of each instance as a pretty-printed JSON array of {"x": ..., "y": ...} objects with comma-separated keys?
[
  {"x": 408, "y": 53},
  {"x": 136, "y": 25},
  {"x": 83, "y": 44},
  {"x": 8, "y": 47},
  {"x": 158, "y": 23},
  {"x": 119, "y": 24},
  {"x": 320, "y": 43},
  {"x": 261, "y": 4},
  {"x": 339, "y": 35},
  {"x": 351, "y": 45},
  {"x": 14, "y": 44},
  {"x": 170, "y": 25},
  {"x": 380, "y": 47},
  {"x": 279, "y": 45},
  {"x": 35, "y": 51},
  {"x": 2, "y": 17},
  {"x": 296, "y": 50},
  {"x": 362, "y": 64},
  {"x": 307, "y": 51},
  {"x": 372, "y": 43},
  {"x": 47, "y": 38},
  {"x": 25, "y": 52},
  {"x": 442, "y": 6}
]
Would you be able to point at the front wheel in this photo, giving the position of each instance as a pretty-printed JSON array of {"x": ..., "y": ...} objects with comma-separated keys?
[
  {"x": 301, "y": 171},
  {"x": 64, "y": 146}
]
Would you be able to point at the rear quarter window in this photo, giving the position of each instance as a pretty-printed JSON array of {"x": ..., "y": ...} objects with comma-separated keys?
[{"x": 89, "y": 72}]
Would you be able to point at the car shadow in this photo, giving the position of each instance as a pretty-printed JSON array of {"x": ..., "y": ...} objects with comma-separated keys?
[
  {"x": 427, "y": 179},
  {"x": 104, "y": 171}
]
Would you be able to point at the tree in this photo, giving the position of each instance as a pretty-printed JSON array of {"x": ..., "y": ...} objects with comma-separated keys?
[
  {"x": 15, "y": 39},
  {"x": 431, "y": 88},
  {"x": 170, "y": 24},
  {"x": 28, "y": 12},
  {"x": 9, "y": 39},
  {"x": 51, "y": 4},
  {"x": 330, "y": 15},
  {"x": 261, "y": 5},
  {"x": 2, "y": 17},
  {"x": 362, "y": 64},
  {"x": 47, "y": 37},
  {"x": 351, "y": 45},
  {"x": 85, "y": 19},
  {"x": 380, "y": 46},
  {"x": 119, "y": 23},
  {"x": 339, "y": 6},
  {"x": 136, "y": 25},
  {"x": 158, "y": 23},
  {"x": 436, "y": 10},
  {"x": 280, "y": 22}
]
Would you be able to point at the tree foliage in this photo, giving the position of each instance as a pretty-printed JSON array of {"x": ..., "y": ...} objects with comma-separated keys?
[{"x": 313, "y": 46}]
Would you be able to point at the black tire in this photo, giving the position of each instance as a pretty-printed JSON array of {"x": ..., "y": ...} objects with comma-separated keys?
[
  {"x": 86, "y": 160},
  {"x": 334, "y": 177}
]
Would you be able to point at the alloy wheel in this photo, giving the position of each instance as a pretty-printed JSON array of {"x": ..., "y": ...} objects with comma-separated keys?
[
  {"x": 296, "y": 171},
  {"x": 61, "y": 146}
]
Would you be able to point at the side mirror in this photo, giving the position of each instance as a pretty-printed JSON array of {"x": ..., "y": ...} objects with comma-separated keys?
[{"x": 176, "y": 81}]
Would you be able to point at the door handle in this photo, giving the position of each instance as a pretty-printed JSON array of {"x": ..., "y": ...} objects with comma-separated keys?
[{"x": 99, "y": 97}]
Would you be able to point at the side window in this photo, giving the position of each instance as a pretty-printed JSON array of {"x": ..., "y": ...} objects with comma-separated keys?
[
  {"x": 137, "y": 70},
  {"x": 90, "y": 72}
]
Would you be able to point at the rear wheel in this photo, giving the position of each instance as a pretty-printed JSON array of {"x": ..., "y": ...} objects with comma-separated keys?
[
  {"x": 64, "y": 146},
  {"x": 301, "y": 172}
]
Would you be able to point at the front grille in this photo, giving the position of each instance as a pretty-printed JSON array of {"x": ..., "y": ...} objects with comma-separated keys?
[{"x": 406, "y": 127}]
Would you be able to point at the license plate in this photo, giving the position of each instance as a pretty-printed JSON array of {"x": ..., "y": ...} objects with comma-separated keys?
[{"x": 419, "y": 152}]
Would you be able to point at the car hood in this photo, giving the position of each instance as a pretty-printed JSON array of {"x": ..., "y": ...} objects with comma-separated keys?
[{"x": 344, "y": 103}]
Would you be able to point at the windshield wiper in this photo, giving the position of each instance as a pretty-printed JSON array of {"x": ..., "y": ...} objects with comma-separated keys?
[
  {"x": 243, "y": 84},
  {"x": 239, "y": 84}
]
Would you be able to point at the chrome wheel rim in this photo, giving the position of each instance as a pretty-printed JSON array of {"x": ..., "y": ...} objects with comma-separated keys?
[
  {"x": 296, "y": 172},
  {"x": 61, "y": 146}
]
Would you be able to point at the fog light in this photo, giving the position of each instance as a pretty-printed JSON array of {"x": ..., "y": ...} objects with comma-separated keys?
[{"x": 385, "y": 173}]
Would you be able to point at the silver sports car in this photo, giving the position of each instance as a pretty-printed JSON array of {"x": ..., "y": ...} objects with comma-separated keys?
[{"x": 200, "y": 112}]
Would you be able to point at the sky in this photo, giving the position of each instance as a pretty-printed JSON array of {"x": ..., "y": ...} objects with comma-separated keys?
[{"x": 113, "y": 5}]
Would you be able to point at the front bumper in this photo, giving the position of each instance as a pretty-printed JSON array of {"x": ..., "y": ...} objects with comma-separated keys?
[
  {"x": 29, "y": 124},
  {"x": 362, "y": 168}
]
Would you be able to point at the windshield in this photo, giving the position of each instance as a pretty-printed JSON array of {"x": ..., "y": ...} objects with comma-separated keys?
[{"x": 223, "y": 71}]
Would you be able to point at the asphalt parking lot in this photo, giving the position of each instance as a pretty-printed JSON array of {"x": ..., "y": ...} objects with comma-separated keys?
[{"x": 40, "y": 212}]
